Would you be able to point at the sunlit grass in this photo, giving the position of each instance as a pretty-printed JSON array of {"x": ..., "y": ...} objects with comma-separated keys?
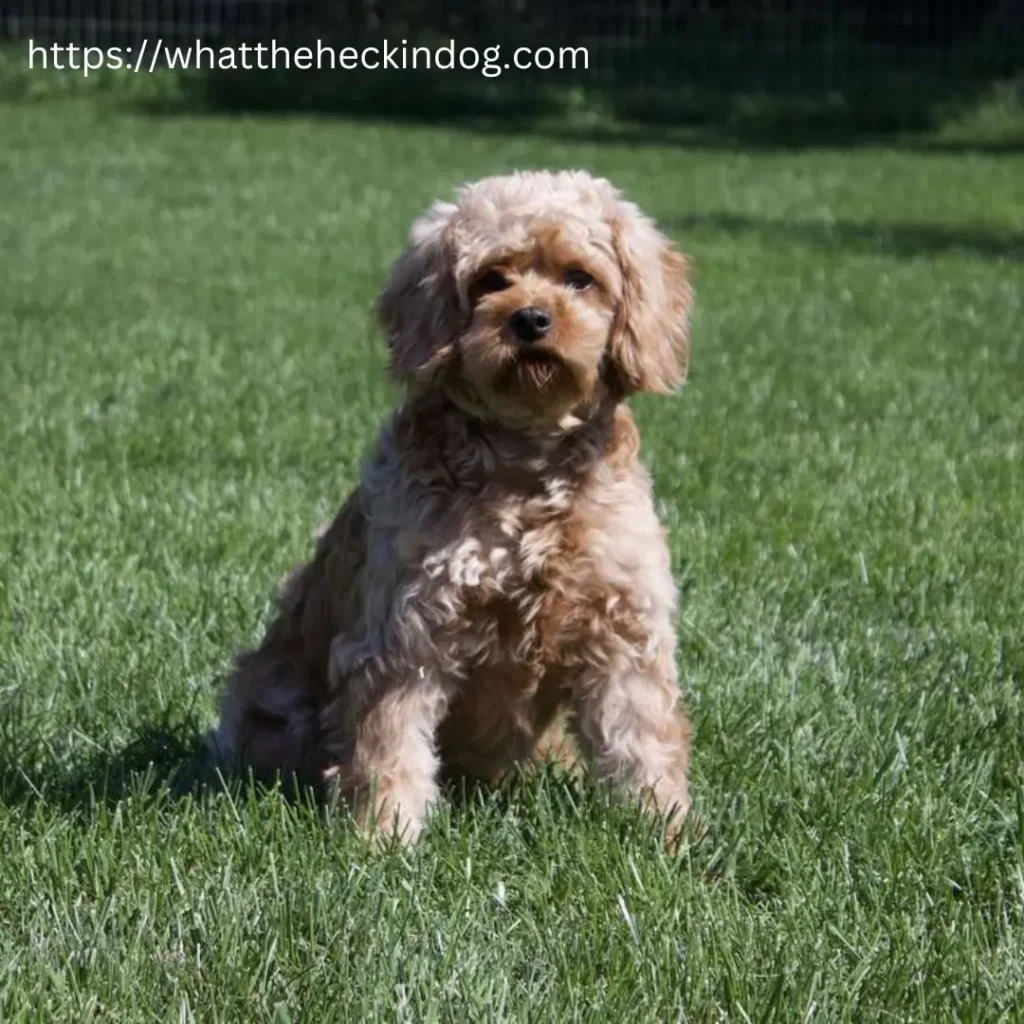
[{"x": 189, "y": 375}]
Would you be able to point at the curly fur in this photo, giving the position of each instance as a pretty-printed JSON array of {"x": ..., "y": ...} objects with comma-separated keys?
[{"x": 500, "y": 574}]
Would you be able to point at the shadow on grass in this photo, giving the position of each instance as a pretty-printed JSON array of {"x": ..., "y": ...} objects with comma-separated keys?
[
  {"x": 717, "y": 104},
  {"x": 166, "y": 762},
  {"x": 170, "y": 759},
  {"x": 726, "y": 101},
  {"x": 163, "y": 756},
  {"x": 788, "y": 76},
  {"x": 899, "y": 239}
]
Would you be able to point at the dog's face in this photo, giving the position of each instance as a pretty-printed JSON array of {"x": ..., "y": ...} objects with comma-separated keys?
[
  {"x": 536, "y": 298},
  {"x": 539, "y": 320}
]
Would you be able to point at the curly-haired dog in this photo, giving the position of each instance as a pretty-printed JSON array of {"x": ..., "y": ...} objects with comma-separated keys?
[{"x": 500, "y": 571}]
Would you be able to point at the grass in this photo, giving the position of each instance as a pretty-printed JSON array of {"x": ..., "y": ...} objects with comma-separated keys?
[{"x": 189, "y": 376}]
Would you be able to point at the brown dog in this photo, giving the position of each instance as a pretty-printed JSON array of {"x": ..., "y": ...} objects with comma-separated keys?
[{"x": 500, "y": 570}]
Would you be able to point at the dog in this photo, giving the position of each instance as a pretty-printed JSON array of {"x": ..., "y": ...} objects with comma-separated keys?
[{"x": 498, "y": 587}]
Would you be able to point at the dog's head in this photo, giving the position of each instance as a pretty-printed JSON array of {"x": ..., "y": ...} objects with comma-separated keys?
[{"x": 537, "y": 297}]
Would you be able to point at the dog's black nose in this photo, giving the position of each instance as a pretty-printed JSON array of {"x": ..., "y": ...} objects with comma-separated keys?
[{"x": 529, "y": 323}]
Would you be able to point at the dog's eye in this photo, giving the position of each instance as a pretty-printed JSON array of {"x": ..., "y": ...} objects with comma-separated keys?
[
  {"x": 491, "y": 281},
  {"x": 578, "y": 279}
]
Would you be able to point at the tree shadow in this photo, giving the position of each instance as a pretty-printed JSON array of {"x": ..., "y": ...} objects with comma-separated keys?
[
  {"x": 779, "y": 136},
  {"x": 1012, "y": 146},
  {"x": 793, "y": 75},
  {"x": 716, "y": 94},
  {"x": 903, "y": 240}
]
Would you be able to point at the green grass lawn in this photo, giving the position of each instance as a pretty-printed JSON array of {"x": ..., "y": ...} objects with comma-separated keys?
[{"x": 189, "y": 375}]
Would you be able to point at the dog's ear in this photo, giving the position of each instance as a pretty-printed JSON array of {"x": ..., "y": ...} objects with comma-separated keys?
[
  {"x": 418, "y": 308},
  {"x": 649, "y": 347}
]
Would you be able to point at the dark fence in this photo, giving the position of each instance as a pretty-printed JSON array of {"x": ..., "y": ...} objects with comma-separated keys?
[
  {"x": 891, "y": 63},
  {"x": 777, "y": 29}
]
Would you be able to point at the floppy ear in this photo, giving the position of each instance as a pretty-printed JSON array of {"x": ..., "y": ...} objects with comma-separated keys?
[
  {"x": 649, "y": 347},
  {"x": 418, "y": 308}
]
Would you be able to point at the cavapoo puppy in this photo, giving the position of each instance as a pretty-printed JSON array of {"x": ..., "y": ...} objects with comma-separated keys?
[{"x": 498, "y": 586}]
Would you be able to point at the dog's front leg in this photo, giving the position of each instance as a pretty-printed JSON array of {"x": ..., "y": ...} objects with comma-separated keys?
[
  {"x": 637, "y": 737},
  {"x": 381, "y": 742}
]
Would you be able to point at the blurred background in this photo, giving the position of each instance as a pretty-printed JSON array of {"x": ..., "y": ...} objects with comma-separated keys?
[{"x": 768, "y": 68}]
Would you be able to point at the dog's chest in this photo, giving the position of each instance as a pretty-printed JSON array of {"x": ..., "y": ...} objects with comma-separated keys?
[{"x": 521, "y": 589}]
